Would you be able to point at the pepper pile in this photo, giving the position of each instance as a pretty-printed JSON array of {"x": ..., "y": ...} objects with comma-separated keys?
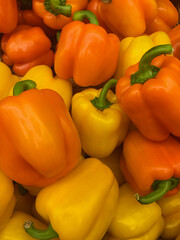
[{"x": 90, "y": 120}]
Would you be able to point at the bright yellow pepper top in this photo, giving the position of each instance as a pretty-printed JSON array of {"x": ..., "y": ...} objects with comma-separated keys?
[
  {"x": 82, "y": 204},
  {"x": 133, "y": 48},
  {"x": 134, "y": 221},
  {"x": 43, "y": 76},
  {"x": 7, "y": 199},
  {"x": 170, "y": 207},
  {"x": 7, "y": 80}
]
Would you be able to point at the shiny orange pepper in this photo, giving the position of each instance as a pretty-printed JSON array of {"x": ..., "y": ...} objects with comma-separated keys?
[
  {"x": 174, "y": 35},
  {"x": 149, "y": 93},
  {"x": 166, "y": 19},
  {"x": 39, "y": 141},
  {"x": 57, "y": 14},
  {"x": 25, "y": 48},
  {"x": 8, "y": 16},
  {"x": 125, "y": 18},
  {"x": 85, "y": 52}
]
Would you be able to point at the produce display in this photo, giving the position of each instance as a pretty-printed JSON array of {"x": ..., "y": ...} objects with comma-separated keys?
[{"x": 90, "y": 119}]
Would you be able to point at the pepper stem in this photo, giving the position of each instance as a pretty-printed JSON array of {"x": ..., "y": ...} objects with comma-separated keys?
[
  {"x": 101, "y": 102},
  {"x": 58, "y": 7},
  {"x": 22, "y": 86},
  {"x": 146, "y": 70},
  {"x": 85, "y": 14},
  {"x": 160, "y": 187},
  {"x": 46, "y": 234}
]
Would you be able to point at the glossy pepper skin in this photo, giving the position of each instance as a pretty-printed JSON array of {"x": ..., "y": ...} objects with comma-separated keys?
[
  {"x": 133, "y": 48},
  {"x": 174, "y": 35},
  {"x": 84, "y": 51},
  {"x": 126, "y": 18},
  {"x": 51, "y": 17},
  {"x": 170, "y": 207},
  {"x": 149, "y": 93},
  {"x": 25, "y": 48},
  {"x": 133, "y": 220},
  {"x": 166, "y": 18},
  {"x": 41, "y": 144},
  {"x": 147, "y": 165},
  {"x": 102, "y": 125},
  {"x": 8, "y": 15},
  {"x": 82, "y": 204}
]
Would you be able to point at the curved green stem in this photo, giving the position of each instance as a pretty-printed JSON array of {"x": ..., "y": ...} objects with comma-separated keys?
[
  {"x": 160, "y": 187},
  {"x": 22, "y": 86},
  {"x": 46, "y": 234},
  {"x": 146, "y": 70},
  {"x": 85, "y": 14},
  {"x": 101, "y": 102},
  {"x": 58, "y": 7}
]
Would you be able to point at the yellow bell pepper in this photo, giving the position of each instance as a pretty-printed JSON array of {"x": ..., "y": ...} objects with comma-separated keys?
[
  {"x": 14, "y": 228},
  {"x": 7, "y": 199},
  {"x": 133, "y": 48},
  {"x": 80, "y": 205},
  {"x": 99, "y": 119},
  {"x": 7, "y": 80},
  {"x": 43, "y": 76},
  {"x": 134, "y": 221},
  {"x": 170, "y": 207}
]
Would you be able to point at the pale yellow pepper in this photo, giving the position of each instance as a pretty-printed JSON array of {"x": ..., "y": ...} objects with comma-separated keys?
[
  {"x": 170, "y": 207},
  {"x": 134, "y": 221},
  {"x": 43, "y": 76},
  {"x": 133, "y": 48}
]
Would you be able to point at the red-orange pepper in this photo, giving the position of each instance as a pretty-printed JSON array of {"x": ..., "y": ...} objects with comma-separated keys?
[
  {"x": 150, "y": 93},
  {"x": 39, "y": 141},
  {"x": 57, "y": 14},
  {"x": 174, "y": 35},
  {"x": 166, "y": 19},
  {"x": 85, "y": 52},
  {"x": 25, "y": 48},
  {"x": 8, "y": 15}
]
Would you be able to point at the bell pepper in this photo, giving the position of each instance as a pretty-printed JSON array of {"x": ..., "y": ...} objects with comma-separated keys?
[
  {"x": 8, "y": 16},
  {"x": 7, "y": 80},
  {"x": 170, "y": 207},
  {"x": 133, "y": 220},
  {"x": 25, "y": 48},
  {"x": 151, "y": 168},
  {"x": 126, "y": 18},
  {"x": 133, "y": 48},
  {"x": 166, "y": 18},
  {"x": 85, "y": 52},
  {"x": 106, "y": 123},
  {"x": 14, "y": 228},
  {"x": 56, "y": 14},
  {"x": 79, "y": 206},
  {"x": 7, "y": 199},
  {"x": 43, "y": 76},
  {"x": 174, "y": 35},
  {"x": 149, "y": 93},
  {"x": 41, "y": 144}
]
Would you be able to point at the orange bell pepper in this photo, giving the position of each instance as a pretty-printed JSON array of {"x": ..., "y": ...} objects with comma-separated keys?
[
  {"x": 151, "y": 168},
  {"x": 41, "y": 144},
  {"x": 85, "y": 52},
  {"x": 56, "y": 14},
  {"x": 126, "y": 18},
  {"x": 174, "y": 36},
  {"x": 166, "y": 19},
  {"x": 25, "y": 48},
  {"x": 150, "y": 93},
  {"x": 8, "y": 16}
]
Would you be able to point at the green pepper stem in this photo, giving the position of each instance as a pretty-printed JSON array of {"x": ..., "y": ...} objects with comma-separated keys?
[
  {"x": 146, "y": 70},
  {"x": 161, "y": 187},
  {"x": 58, "y": 7},
  {"x": 101, "y": 102},
  {"x": 46, "y": 234},
  {"x": 22, "y": 86},
  {"x": 85, "y": 14}
]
